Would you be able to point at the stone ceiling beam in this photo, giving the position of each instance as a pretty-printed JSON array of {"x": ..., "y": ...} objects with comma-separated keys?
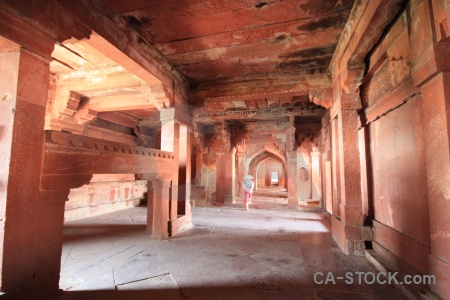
[
  {"x": 117, "y": 117},
  {"x": 119, "y": 41},
  {"x": 113, "y": 78},
  {"x": 365, "y": 26},
  {"x": 117, "y": 103},
  {"x": 272, "y": 52},
  {"x": 277, "y": 32},
  {"x": 262, "y": 87}
]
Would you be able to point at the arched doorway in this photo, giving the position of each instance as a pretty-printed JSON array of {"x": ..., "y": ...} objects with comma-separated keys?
[{"x": 269, "y": 172}]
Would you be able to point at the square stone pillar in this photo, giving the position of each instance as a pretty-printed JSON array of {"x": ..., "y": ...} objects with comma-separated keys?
[
  {"x": 335, "y": 176},
  {"x": 436, "y": 108},
  {"x": 240, "y": 174},
  {"x": 348, "y": 230},
  {"x": 170, "y": 141},
  {"x": 23, "y": 229},
  {"x": 292, "y": 178},
  {"x": 225, "y": 177},
  {"x": 158, "y": 209},
  {"x": 315, "y": 176},
  {"x": 184, "y": 172}
]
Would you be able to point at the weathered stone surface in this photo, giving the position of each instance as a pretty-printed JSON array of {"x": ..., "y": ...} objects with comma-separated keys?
[{"x": 120, "y": 76}]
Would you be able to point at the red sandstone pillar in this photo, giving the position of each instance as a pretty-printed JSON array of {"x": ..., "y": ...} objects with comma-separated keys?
[
  {"x": 240, "y": 174},
  {"x": 315, "y": 176},
  {"x": 291, "y": 185},
  {"x": 436, "y": 108},
  {"x": 335, "y": 177},
  {"x": 225, "y": 177},
  {"x": 182, "y": 169},
  {"x": 348, "y": 230},
  {"x": 23, "y": 97},
  {"x": 170, "y": 134},
  {"x": 158, "y": 209}
]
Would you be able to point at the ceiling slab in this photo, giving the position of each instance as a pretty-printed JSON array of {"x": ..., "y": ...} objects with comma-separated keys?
[{"x": 215, "y": 43}]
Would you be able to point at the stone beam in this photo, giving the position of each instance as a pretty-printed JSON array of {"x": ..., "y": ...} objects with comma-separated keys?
[
  {"x": 262, "y": 114},
  {"x": 250, "y": 34},
  {"x": 68, "y": 154},
  {"x": 118, "y": 40},
  {"x": 248, "y": 88},
  {"x": 24, "y": 33},
  {"x": 106, "y": 79},
  {"x": 117, "y": 102},
  {"x": 119, "y": 118},
  {"x": 363, "y": 30},
  {"x": 366, "y": 24}
]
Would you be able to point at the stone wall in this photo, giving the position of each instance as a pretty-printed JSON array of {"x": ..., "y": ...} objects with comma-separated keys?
[
  {"x": 406, "y": 136},
  {"x": 106, "y": 193}
]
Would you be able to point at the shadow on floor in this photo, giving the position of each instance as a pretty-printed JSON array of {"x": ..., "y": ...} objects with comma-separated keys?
[{"x": 93, "y": 231}]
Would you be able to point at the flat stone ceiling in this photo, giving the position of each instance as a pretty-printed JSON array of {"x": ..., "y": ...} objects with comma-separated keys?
[{"x": 216, "y": 40}]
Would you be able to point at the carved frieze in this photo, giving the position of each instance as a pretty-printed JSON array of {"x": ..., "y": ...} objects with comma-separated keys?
[{"x": 259, "y": 114}]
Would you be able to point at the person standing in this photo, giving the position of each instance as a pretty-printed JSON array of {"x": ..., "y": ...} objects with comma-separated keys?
[{"x": 248, "y": 189}]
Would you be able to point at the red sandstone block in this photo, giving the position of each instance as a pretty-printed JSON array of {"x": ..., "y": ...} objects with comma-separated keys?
[
  {"x": 441, "y": 270},
  {"x": 402, "y": 246},
  {"x": 352, "y": 215}
]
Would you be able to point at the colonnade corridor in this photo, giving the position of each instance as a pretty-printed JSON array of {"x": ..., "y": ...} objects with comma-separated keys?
[{"x": 229, "y": 253}]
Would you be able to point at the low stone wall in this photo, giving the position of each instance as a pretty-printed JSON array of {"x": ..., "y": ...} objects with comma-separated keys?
[{"x": 106, "y": 193}]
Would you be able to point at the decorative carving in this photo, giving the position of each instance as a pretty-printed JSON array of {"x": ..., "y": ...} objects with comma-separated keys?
[
  {"x": 400, "y": 69},
  {"x": 352, "y": 77},
  {"x": 322, "y": 97},
  {"x": 63, "y": 113},
  {"x": 263, "y": 113},
  {"x": 158, "y": 95},
  {"x": 67, "y": 139}
]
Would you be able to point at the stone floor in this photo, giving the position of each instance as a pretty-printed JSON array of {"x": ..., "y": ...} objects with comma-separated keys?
[{"x": 230, "y": 253}]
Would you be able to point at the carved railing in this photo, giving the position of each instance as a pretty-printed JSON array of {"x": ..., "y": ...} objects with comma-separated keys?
[
  {"x": 67, "y": 139},
  {"x": 71, "y": 160}
]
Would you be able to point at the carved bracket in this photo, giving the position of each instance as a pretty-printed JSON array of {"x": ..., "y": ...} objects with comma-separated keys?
[
  {"x": 158, "y": 95},
  {"x": 322, "y": 97},
  {"x": 63, "y": 113}
]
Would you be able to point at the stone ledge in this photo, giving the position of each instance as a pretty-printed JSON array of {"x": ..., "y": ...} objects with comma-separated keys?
[{"x": 403, "y": 291}]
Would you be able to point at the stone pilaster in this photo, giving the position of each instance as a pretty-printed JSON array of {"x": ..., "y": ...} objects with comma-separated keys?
[
  {"x": 436, "y": 108},
  {"x": 31, "y": 221},
  {"x": 348, "y": 230}
]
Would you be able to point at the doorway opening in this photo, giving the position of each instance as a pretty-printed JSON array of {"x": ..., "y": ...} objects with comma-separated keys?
[{"x": 274, "y": 179}]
